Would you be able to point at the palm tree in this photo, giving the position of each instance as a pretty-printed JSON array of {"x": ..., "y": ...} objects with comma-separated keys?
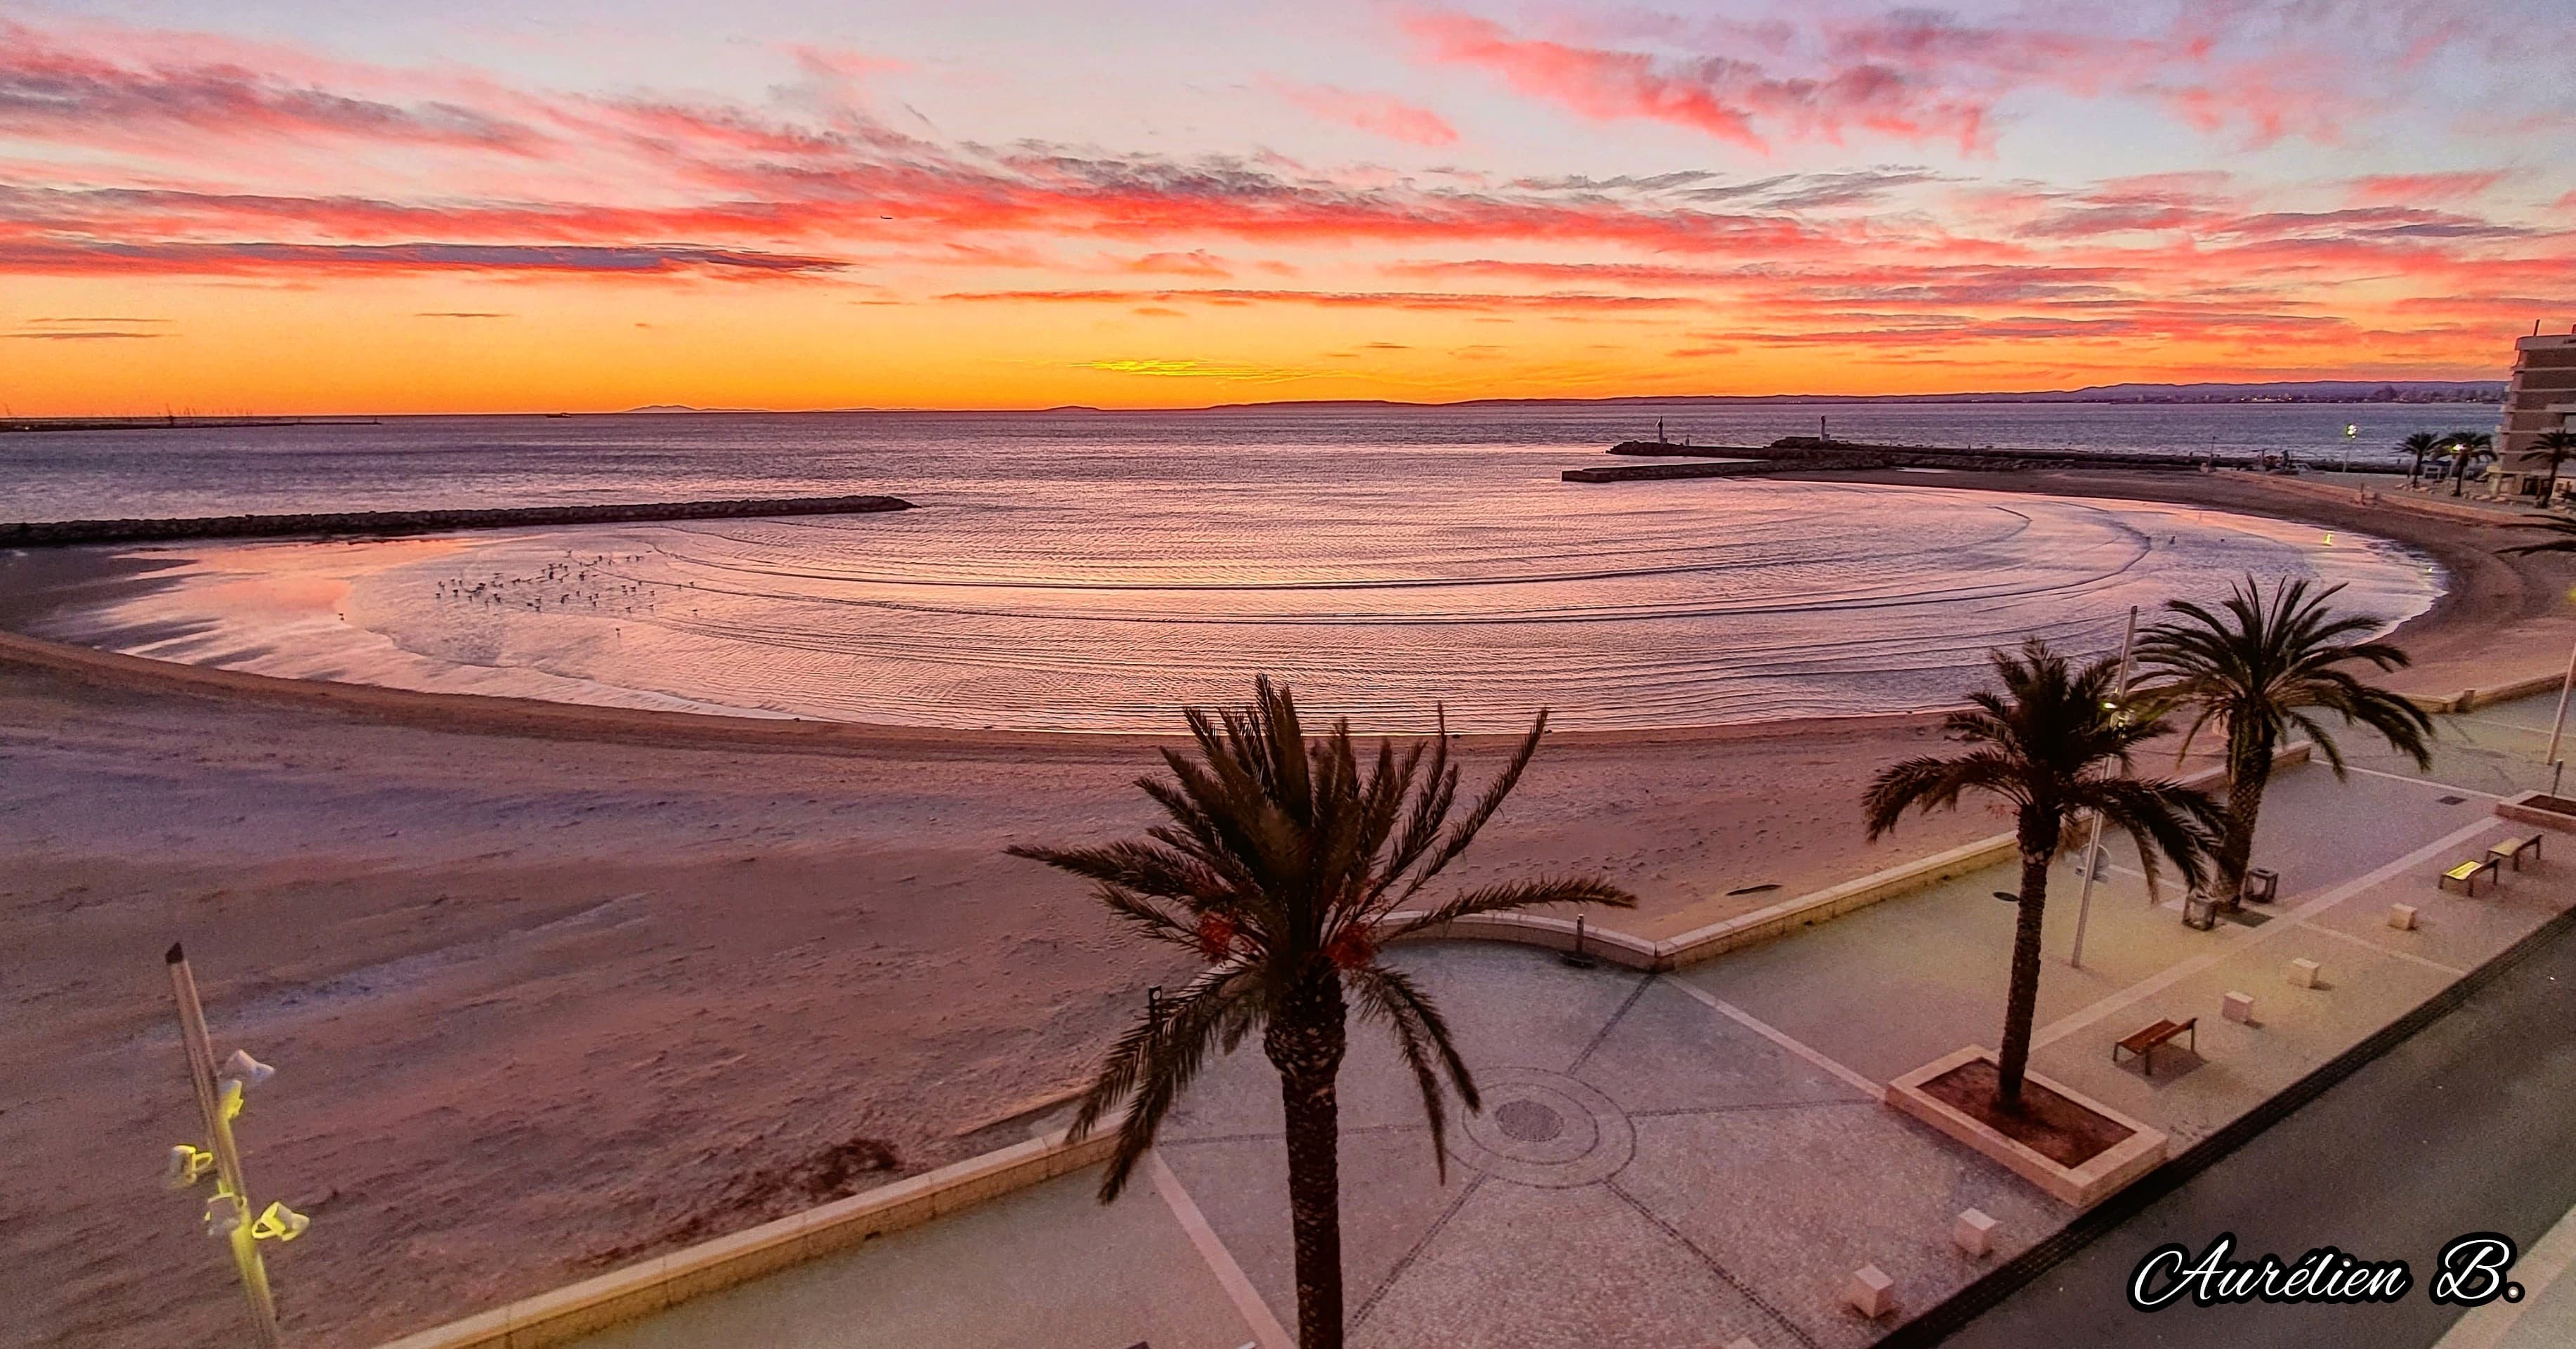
[
  {"x": 2420, "y": 444},
  {"x": 1283, "y": 866},
  {"x": 2557, "y": 447},
  {"x": 2054, "y": 742},
  {"x": 2263, "y": 664},
  {"x": 2467, "y": 447}
]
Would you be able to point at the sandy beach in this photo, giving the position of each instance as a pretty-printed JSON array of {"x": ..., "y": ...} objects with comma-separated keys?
[{"x": 551, "y": 987}]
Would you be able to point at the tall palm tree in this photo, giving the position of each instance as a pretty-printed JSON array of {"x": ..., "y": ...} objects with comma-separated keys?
[
  {"x": 2420, "y": 444},
  {"x": 2467, "y": 447},
  {"x": 1283, "y": 866},
  {"x": 2556, "y": 447},
  {"x": 2054, "y": 742},
  {"x": 2262, "y": 665}
]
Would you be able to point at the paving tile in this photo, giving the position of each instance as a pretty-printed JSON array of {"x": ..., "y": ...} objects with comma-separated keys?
[{"x": 1604, "y": 1274}]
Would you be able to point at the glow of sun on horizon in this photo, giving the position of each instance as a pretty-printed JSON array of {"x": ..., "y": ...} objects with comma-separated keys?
[{"x": 1428, "y": 203}]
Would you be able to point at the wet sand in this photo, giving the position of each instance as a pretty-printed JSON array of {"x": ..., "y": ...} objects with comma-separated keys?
[{"x": 552, "y": 987}]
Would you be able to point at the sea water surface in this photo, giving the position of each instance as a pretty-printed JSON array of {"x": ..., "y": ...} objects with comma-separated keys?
[{"x": 1095, "y": 572}]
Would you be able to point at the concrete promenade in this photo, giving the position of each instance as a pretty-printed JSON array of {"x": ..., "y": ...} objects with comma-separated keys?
[
  {"x": 2461, "y": 1129},
  {"x": 1697, "y": 1157}
]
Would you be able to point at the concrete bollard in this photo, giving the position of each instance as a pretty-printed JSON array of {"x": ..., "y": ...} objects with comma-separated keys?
[
  {"x": 2305, "y": 973},
  {"x": 1871, "y": 1293},
  {"x": 1974, "y": 1233},
  {"x": 2402, "y": 917},
  {"x": 2237, "y": 1007}
]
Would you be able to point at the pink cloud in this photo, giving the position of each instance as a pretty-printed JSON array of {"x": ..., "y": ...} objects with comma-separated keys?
[
  {"x": 52, "y": 91},
  {"x": 1602, "y": 85},
  {"x": 1378, "y": 114},
  {"x": 2418, "y": 189},
  {"x": 1196, "y": 262},
  {"x": 1720, "y": 96},
  {"x": 1914, "y": 75}
]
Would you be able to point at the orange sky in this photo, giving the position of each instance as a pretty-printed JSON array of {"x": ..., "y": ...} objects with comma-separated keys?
[{"x": 347, "y": 218}]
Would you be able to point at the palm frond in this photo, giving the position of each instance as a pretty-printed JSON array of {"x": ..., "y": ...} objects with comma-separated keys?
[
  {"x": 2167, "y": 821},
  {"x": 1473, "y": 822},
  {"x": 1509, "y": 895},
  {"x": 1422, "y": 1036},
  {"x": 1150, "y": 1065},
  {"x": 1934, "y": 783}
]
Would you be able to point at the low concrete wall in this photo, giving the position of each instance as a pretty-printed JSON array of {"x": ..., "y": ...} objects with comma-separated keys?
[
  {"x": 2400, "y": 499},
  {"x": 1777, "y": 920},
  {"x": 2469, "y": 700},
  {"x": 640, "y": 1290}
]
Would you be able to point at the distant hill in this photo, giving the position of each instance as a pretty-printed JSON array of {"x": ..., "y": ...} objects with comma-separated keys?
[
  {"x": 2290, "y": 391},
  {"x": 2285, "y": 391}
]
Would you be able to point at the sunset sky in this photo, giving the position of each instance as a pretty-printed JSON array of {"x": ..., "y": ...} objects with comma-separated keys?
[{"x": 300, "y": 206}]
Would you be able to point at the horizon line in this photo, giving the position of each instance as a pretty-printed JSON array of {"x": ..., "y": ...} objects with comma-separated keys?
[{"x": 2249, "y": 391}]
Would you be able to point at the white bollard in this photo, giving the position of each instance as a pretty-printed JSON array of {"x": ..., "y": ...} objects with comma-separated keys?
[
  {"x": 1974, "y": 1233},
  {"x": 2237, "y": 1007},
  {"x": 2305, "y": 973},
  {"x": 1871, "y": 1293},
  {"x": 2402, "y": 917}
]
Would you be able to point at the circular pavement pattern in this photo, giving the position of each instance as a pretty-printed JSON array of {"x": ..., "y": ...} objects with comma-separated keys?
[{"x": 1545, "y": 1129}]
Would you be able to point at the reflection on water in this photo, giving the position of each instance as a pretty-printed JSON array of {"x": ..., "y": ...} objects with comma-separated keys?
[{"x": 1103, "y": 603}]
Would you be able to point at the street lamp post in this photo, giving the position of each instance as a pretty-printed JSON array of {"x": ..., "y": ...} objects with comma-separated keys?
[
  {"x": 2558, "y": 724},
  {"x": 2093, "y": 845},
  {"x": 219, "y": 1100}
]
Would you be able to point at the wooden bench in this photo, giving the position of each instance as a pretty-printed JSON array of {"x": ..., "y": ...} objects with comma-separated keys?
[
  {"x": 2512, "y": 849},
  {"x": 2464, "y": 877},
  {"x": 2143, "y": 1043}
]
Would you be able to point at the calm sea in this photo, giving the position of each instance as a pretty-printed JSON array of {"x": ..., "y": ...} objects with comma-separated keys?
[{"x": 1094, "y": 571}]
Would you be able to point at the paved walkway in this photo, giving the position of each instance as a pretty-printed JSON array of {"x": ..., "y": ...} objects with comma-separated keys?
[
  {"x": 1691, "y": 1158},
  {"x": 2461, "y": 1129}
]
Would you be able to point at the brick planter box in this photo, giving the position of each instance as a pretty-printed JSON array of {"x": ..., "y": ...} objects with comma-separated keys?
[
  {"x": 2540, "y": 808},
  {"x": 2083, "y": 1185}
]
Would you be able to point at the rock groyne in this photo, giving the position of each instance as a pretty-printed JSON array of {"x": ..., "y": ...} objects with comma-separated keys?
[
  {"x": 382, "y": 524},
  {"x": 1791, "y": 454}
]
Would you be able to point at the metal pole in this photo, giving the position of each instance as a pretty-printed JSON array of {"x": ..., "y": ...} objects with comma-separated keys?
[
  {"x": 2093, "y": 846},
  {"x": 219, "y": 1134},
  {"x": 2559, "y": 726}
]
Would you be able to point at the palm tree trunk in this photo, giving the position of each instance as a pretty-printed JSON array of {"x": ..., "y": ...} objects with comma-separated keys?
[
  {"x": 2021, "y": 1004},
  {"x": 2249, "y": 769},
  {"x": 2549, "y": 492},
  {"x": 1305, "y": 1041}
]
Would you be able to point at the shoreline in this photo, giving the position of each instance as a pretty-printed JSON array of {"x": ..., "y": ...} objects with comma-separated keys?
[{"x": 2486, "y": 600}]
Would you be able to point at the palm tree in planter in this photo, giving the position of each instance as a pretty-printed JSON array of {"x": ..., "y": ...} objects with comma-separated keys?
[
  {"x": 2054, "y": 742},
  {"x": 1286, "y": 867},
  {"x": 2262, "y": 665},
  {"x": 2556, "y": 447},
  {"x": 2421, "y": 444}
]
